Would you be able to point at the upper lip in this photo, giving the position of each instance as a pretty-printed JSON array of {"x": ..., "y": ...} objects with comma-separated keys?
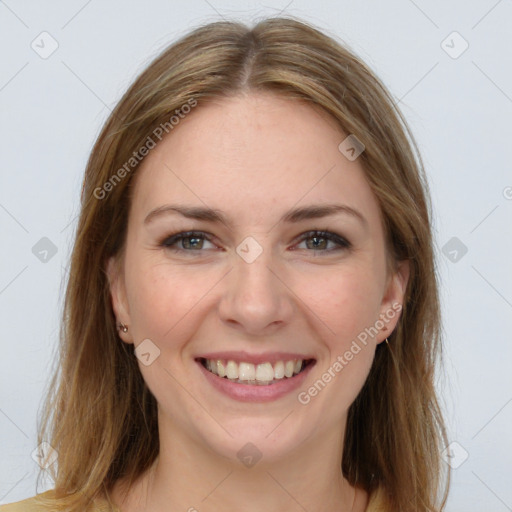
[{"x": 242, "y": 356}]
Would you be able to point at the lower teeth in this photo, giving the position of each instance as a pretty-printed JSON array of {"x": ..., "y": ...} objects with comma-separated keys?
[{"x": 253, "y": 382}]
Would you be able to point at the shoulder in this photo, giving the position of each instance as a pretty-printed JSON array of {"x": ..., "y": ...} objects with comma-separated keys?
[
  {"x": 43, "y": 503},
  {"x": 376, "y": 503},
  {"x": 27, "y": 505}
]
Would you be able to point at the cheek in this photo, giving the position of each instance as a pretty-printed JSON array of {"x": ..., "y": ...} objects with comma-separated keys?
[
  {"x": 164, "y": 300},
  {"x": 346, "y": 300}
]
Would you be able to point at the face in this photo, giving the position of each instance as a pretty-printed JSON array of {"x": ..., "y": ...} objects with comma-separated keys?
[{"x": 286, "y": 262}]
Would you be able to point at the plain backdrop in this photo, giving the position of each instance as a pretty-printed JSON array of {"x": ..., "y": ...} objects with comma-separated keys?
[{"x": 449, "y": 64}]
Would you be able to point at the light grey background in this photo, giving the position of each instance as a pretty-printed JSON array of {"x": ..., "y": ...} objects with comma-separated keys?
[{"x": 459, "y": 110}]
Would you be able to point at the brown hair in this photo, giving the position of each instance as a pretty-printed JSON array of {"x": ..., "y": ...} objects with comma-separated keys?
[{"x": 99, "y": 414}]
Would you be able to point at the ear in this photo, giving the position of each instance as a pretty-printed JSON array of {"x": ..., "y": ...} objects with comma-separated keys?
[
  {"x": 115, "y": 276},
  {"x": 392, "y": 302}
]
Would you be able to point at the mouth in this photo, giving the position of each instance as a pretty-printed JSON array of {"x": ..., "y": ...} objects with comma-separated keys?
[{"x": 262, "y": 374}]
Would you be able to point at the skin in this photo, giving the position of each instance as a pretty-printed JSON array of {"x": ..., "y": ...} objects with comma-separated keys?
[{"x": 253, "y": 156}]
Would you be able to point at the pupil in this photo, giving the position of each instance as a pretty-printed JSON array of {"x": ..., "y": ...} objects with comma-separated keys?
[
  {"x": 189, "y": 244},
  {"x": 316, "y": 241}
]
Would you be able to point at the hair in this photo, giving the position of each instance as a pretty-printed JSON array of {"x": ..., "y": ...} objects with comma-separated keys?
[{"x": 99, "y": 415}]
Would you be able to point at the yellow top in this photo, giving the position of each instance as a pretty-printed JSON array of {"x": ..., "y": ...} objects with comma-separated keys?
[{"x": 375, "y": 504}]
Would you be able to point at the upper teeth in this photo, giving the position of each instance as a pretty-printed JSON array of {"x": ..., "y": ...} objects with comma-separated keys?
[{"x": 263, "y": 372}]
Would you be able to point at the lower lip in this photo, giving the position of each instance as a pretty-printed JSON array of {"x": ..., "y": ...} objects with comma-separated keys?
[{"x": 255, "y": 393}]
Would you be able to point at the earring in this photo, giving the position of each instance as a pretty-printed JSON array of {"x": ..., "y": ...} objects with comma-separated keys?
[
  {"x": 386, "y": 340},
  {"x": 122, "y": 327}
]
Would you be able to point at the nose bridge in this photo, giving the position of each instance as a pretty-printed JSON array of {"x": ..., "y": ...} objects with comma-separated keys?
[
  {"x": 255, "y": 297},
  {"x": 253, "y": 261},
  {"x": 254, "y": 281},
  {"x": 255, "y": 278}
]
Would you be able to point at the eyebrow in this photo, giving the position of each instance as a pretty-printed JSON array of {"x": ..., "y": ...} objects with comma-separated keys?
[{"x": 292, "y": 216}]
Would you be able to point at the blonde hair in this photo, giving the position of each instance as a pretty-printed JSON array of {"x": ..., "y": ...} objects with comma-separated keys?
[{"x": 100, "y": 416}]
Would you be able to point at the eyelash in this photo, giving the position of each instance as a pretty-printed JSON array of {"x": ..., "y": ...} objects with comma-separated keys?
[{"x": 171, "y": 240}]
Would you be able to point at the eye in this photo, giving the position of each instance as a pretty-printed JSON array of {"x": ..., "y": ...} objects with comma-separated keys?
[
  {"x": 320, "y": 240},
  {"x": 186, "y": 241},
  {"x": 316, "y": 241}
]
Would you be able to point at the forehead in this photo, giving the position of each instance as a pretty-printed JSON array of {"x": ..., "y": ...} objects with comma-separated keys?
[{"x": 254, "y": 155}]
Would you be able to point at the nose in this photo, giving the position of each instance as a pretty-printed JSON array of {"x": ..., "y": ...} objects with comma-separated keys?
[{"x": 256, "y": 299}]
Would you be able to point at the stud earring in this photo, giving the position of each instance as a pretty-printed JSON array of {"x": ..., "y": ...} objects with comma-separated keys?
[{"x": 122, "y": 327}]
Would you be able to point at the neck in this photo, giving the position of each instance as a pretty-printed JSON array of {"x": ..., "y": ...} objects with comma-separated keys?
[{"x": 189, "y": 476}]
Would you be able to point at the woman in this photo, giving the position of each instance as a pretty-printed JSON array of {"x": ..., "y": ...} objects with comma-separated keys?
[{"x": 252, "y": 318}]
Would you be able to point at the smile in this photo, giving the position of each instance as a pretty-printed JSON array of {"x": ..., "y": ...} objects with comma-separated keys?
[
  {"x": 261, "y": 381},
  {"x": 262, "y": 374}
]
